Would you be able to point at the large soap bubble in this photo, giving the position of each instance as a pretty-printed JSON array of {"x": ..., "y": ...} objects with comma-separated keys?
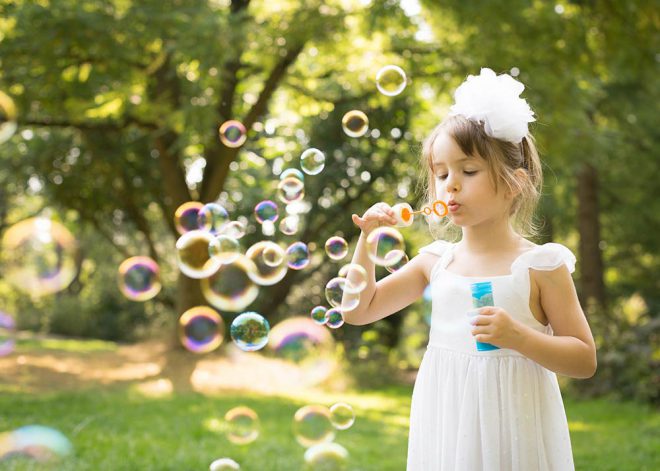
[
  {"x": 391, "y": 80},
  {"x": 355, "y": 123},
  {"x": 249, "y": 331},
  {"x": 139, "y": 278},
  {"x": 231, "y": 287},
  {"x": 385, "y": 246},
  {"x": 201, "y": 329},
  {"x": 312, "y": 425}
]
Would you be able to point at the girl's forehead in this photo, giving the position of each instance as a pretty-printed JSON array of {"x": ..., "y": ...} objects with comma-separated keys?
[{"x": 446, "y": 151}]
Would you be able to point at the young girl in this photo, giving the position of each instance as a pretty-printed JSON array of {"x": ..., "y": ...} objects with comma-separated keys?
[{"x": 499, "y": 409}]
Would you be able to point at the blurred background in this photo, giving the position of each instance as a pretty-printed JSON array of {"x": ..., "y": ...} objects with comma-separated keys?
[{"x": 120, "y": 120}]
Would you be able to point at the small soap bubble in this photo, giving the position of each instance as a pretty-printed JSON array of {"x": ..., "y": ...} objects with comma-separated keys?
[
  {"x": 356, "y": 277},
  {"x": 235, "y": 229},
  {"x": 326, "y": 457},
  {"x": 8, "y": 122},
  {"x": 391, "y": 80},
  {"x": 7, "y": 334},
  {"x": 212, "y": 218},
  {"x": 201, "y": 329},
  {"x": 224, "y": 248},
  {"x": 398, "y": 265},
  {"x": 39, "y": 256},
  {"x": 336, "y": 248},
  {"x": 290, "y": 190},
  {"x": 242, "y": 425},
  {"x": 385, "y": 246},
  {"x": 193, "y": 257},
  {"x": 292, "y": 172},
  {"x": 297, "y": 255},
  {"x": 342, "y": 416},
  {"x": 312, "y": 161},
  {"x": 224, "y": 464},
  {"x": 139, "y": 278},
  {"x": 232, "y": 133},
  {"x": 264, "y": 274},
  {"x": 355, "y": 123},
  {"x": 312, "y": 425},
  {"x": 318, "y": 314},
  {"x": 289, "y": 225},
  {"x": 266, "y": 211},
  {"x": 337, "y": 296},
  {"x": 231, "y": 287},
  {"x": 273, "y": 254},
  {"x": 186, "y": 217},
  {"x": 249, "y": 331},
  {"x": 334, "y": 318}
]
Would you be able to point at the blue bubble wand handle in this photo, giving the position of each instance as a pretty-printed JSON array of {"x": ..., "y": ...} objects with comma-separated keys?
[{"x": 482, "y": 296}]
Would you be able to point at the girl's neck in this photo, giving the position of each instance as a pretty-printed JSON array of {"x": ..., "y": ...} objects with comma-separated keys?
[{"x": 491, "y": 238}]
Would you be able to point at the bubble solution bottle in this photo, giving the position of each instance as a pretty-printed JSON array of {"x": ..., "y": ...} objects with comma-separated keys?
[{"x": 482, "y": 296}]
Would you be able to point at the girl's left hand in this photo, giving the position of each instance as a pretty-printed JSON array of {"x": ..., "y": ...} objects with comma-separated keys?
[{"x": 495, "y": 326}]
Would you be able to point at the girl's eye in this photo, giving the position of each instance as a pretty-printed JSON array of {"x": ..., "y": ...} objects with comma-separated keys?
[
  {"x": 442, "y": 177},
  {"x": 471, "y": 172}
]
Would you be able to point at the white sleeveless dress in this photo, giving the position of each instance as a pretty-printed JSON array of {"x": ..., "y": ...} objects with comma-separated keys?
[{"x": 491, "y": 410}]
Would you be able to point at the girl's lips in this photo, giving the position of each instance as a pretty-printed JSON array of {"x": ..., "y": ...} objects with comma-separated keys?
[{"x": 453, "y": 207}]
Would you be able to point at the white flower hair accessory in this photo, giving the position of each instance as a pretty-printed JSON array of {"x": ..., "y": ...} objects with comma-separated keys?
[{"x": 495, "y": 101}]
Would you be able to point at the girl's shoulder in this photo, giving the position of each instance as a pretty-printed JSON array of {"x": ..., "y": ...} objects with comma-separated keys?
[
  {"x": 546, "y": 257},
  {"x": 438, "y": 248}
]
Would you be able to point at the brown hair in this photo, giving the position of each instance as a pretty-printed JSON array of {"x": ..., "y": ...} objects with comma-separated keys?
[{"x": 502, "y": 158}]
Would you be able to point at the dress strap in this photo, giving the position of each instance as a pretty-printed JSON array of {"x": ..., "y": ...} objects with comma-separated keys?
[{"x": 545, "y": 257}]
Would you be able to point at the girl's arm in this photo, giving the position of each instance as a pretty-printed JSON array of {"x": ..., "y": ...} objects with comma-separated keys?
[{"x": 571, "y": 351}]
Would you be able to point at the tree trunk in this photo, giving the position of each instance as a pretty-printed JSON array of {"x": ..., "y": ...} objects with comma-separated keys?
[{"x": 592, "y": 284}]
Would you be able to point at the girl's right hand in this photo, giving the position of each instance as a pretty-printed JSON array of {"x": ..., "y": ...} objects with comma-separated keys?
[{"x": 379, "y": 213}]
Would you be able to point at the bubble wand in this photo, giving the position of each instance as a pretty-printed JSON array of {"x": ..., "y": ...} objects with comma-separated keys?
[{"x": 404, "y": 213}]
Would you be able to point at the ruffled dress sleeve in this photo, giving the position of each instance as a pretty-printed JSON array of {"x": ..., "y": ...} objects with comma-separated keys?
[{"x": 546, "y": 257}]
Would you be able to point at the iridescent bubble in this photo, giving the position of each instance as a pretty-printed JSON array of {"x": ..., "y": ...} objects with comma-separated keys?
[
  {"x": 334, "y": 318},
  {"x": 7, "y": 335},
  {"x": 311, "y": 425},
  {"x": 385, "y": 246},
  {"x": 212, "y": 217},
  {"x": 398, "y": 265},
  {"x": 356, "y": 277},
  {"x": 235, "y": 229},
  {"x": 43, "y": 444},
  {"x": 289, "y": 225},
  {"x": 355, "y": 123},
  {"x": 266, "y": 211},
  {"x": 242, "y": 425},
  {"x": 8, "y": 123},
  {"x": 299, "y": 339},
  {"x": 193, "y": 257},
  {"x": 224, "y": 248},
  {"x": 201, "y": 329},
  {"x": 342, "y": 416},
  {"x": 232, "y": 133},
  {"x": 139, "y": 278},
  {"x": 297, "y": 255},
  {"x": 326, "y": 457},
  {"x": 337, "y": 296},
  {"x": 249, "y": 331},
  {"x": 336, "y": 247},
  {"x": 273, "y": 254},
  {"x": 312, "y": 161},
  {"x": 391, "y": 80},
  {"x": 292, "y": 172},
  {"x": 264, "y": 274},
  {"x": 39, "y": 256},
  {"x": 318, "y": 314},
  {"x": 231, "y": 287},
  {"x": 224, "y": 464},
  {"x": 290, "y": 189},
  {"x": 185, "y": 217}
]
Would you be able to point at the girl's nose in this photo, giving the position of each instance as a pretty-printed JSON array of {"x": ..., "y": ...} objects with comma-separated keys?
[{"x": 453, "y": 185}]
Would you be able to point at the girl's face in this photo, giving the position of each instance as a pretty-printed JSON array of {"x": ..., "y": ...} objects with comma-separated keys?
[{"x": 465, "y": 180}]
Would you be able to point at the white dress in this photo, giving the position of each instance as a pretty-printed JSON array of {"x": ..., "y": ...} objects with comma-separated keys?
[{"x": 486, "y": 410}]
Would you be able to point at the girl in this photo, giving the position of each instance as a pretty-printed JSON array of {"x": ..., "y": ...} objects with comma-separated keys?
[{"x": 498, "y": 409}]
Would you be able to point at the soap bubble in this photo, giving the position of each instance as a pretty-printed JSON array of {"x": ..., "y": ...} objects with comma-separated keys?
[
  {"x": 292, "y": 172},
  {"x": 224, "y": 464},
  {"x": 186, "y": 217},
  {"x": 289, "y": 225},
  {"x": 290, "y": 189},
  {"x": 193, "y": 256},
  {"x": 235, "y": 229},
  {"x": 355, "y": 123},
  {"x": 356, "y": 278},
  {"x": 398, "y": 265},
  {"x": 318, "y": 314},
  {"x": 224, "y": 248},
  {"x": 342, "y": 416},
  {"x": 391, "y": 80},
  {"x": 8, "y": 123},
  {"x": 212, "y": 217},
  {"x": 232, "y": 133},
  {"x": 242, "y": 425},
  {"x": 337, "y": 296},
  {"x": 231, "y": 287},
  {"x": 326, "y": 457},
  {"x": 311, "y": 425},
  {"x": 7, "y": 335},
  {"x": 385, "y": 246},
  {"x": 336, "y": 247},
  {"x": 249, "y": 331},
  {"x": 264, "y": 274},
  {"x": 39, "y": 256},
  {"x": 266, "y": 211},
  {"x": 43, "y": 444},
  {"x": 139, "y": 278},
  {"x": 201, "y": 329},
  {"x": 297, "y": 255},
  {"x": 334, "y": 318},
  {"x": 273, "y": 254},
  {"x": 312, "y": 161},
  {"x": 299, "y": 339}
]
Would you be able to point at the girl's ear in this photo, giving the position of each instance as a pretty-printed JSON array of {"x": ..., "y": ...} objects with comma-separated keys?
[{"x": 520, "y": 175}]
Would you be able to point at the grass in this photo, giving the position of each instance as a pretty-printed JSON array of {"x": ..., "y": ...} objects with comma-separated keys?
[{"x": 119, "y": 428}]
